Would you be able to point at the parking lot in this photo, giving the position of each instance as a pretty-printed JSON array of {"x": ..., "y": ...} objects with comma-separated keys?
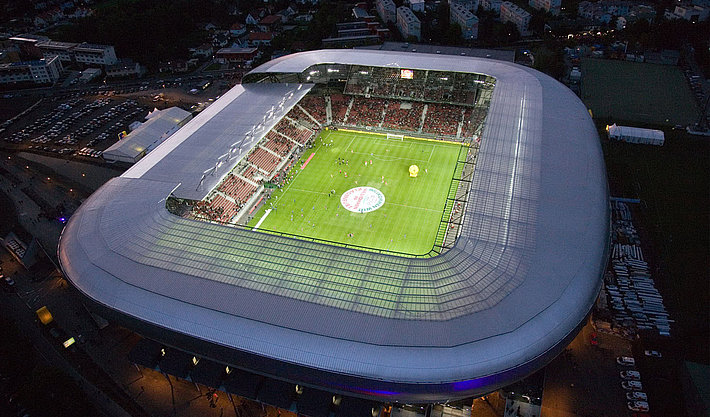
[
  {"x": 81, "y": 122},
  {"x": 81, "y": 127}
]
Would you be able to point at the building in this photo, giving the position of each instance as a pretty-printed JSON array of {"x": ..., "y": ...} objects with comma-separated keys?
[
  {"x": 636, "y": 135},
  {"x": 416, "y": 5},
  {"x": 81, "y": 53},
  {"x": 690, "y": 12},
  {"x": 28, "y": 44},
  {"x": 64, "y": 50},
  {"x": 521, "y": 276},
  {"x": 90, "y": 54},
  {"x": 159, "y": 126},
  {"x": 551, "y": 6},
  {"x": 260, "y": 38},
  {"x": 89, "y": 74},
  {"x": 124, "y": 67},
  {"x": 510, "y": 12},
  {"x": 239, "y": 56},
  {"x": 203, "y": 51},
  {"x": 351, "y": 34},
  {"x": 491, "y": 5},
  {"x": 471, "y": 5},
  {"x": 466, "y": 19},
  {"x": 237, "y": 30},
  {"x": 386, "y": 10},
  {"x": 408, "y": 23},
  {"x": 270, "y": 23},
  {"x": 42, "y": 71}
]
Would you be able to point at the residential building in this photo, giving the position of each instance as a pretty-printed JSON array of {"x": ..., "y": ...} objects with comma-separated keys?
[
  {"x": 471, "y": 5},
  {"x": 387, "y": 10},
  {"x": 240, "y": 56},
  {"x": 90, "y": 54},
  {"x": 466, "y": 19},
  {"x": 692, "y": 13},
  {"x": 221, "y": 39},
  {"x": 237, "y": 30},
  {"x": 491, "y": 5},
  {"x": 270, "y": 23},
  {"x": 510, "y": 12},
  {"x": 124, "y": 68},
  {"x": 408, "y": 23},
  {"x": 416, "y": 5},
  {"x": 203, "y": 51},
  {"x": 552, "y": 6},
  {"x": 260, "y": 38},
  {"x": 603, "y": 11},
  {"x": 42, "y": 71}
]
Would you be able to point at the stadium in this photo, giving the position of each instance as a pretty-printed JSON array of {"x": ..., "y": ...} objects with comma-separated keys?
[{"x": 377, "y": 225}]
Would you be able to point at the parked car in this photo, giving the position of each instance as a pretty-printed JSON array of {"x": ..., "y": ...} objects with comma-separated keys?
[
  {"x": 637, "y": 405},
  {"x": 631, "y": 385},
  {"x": 652, "y": 353},
  {"x": 636, "y": 396},
  {"x": 626, "y": 361},
  {"x": 8, "y": 284},
  {"x": 630, "y": 375}
]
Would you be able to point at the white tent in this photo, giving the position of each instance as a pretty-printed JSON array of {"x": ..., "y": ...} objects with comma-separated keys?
[
  {"x": 636, "y": 135},
  {"x": 159, "y": 126}
]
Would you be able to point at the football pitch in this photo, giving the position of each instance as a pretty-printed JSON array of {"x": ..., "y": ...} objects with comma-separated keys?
[
  {"x": 637, "y": 92},
  {"x": 355, "y": 189}
]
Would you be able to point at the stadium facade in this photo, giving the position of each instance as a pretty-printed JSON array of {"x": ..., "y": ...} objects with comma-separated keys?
[{"x": 499, "y": 304}]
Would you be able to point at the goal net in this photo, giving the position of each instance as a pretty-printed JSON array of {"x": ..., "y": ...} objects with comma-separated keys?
[{"x": 395, "y": 137}]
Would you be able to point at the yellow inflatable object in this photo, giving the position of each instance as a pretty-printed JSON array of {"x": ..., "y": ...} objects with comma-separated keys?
[{"x": 413, "y": 171}]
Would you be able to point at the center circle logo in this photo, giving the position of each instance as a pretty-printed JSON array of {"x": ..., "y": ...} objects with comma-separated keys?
[{"x": 362, "y": 199}]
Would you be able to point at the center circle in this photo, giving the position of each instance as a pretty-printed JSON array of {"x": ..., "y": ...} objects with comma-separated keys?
[{"x": 362, "y": 199}]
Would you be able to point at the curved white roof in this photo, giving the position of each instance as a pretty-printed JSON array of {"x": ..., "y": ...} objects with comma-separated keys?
[{"x": 521, "y": 277}]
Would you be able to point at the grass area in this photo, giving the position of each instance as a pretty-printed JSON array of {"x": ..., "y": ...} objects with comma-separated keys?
[
  {"x": 645, "y": 93},
  {"x": 672, "y": 183},
  {"x": 213, "y": 67},
  {"x": 410, "y": 217}
]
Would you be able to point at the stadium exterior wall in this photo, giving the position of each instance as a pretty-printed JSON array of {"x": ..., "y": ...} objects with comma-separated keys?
[{"x": 336, "y": 383}]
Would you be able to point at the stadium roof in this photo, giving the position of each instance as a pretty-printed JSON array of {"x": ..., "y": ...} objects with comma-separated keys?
[
  {"x": 521, "y": 277},
  {"x": 237, "y": 121},
  {"x": 499, "y": 54}
]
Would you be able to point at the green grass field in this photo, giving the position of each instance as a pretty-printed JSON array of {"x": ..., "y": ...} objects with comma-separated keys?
[
  {"x": 637, "y": 92},
  {"x": 408, "y": 220}
]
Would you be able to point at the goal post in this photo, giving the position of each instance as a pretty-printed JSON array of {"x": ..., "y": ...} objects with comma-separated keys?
[{"x": 395, "y": 137}]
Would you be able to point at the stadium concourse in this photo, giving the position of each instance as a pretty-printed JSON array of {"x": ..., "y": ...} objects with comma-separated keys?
[{"x": 162, "y": 249}]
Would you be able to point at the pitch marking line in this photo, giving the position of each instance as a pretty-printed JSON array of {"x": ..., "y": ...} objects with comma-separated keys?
[{"x": 261, "y": 220}]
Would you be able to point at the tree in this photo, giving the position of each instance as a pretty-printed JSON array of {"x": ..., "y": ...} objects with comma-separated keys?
[{"x": 453, "y": 34}]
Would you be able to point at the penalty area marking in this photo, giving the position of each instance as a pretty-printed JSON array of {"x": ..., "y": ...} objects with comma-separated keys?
[{"x": 261, "y": 220}]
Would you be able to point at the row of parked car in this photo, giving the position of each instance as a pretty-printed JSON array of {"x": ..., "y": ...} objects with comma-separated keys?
[{"x": 637, "y": 399}]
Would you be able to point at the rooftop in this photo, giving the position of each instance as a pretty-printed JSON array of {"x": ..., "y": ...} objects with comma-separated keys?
[{"x": 521, "y": 277}]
